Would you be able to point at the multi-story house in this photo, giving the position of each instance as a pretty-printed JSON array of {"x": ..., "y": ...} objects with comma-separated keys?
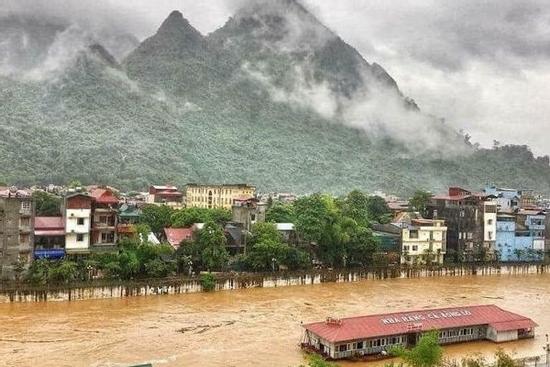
[
  {"x": 16, "y": 229},
  {"x": 247, "y": 212},
  {"x": 423, "y": 241},
  {"x": 470, "y": 219},
  {"x": 521, "y": 235},
  {"x": 217, "y": 196},
  {"x": 104, "y": 217},
  {"x": 165, "y": 195},
  {"x": 78, "y": 218},
  {"x": 49, "y": 237}
]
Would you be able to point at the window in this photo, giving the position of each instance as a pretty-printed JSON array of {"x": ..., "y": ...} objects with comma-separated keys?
[
  {"x": 79, "y": 237},
  {"x": 80, "y": 221},
  {"x": 405, "y": 248},
  {"x": 490, "y": 235},
  {"x": 489, "y": 221},
  {"x": 343, "y": 348},
  {"x": 26, "y": 206},
  {"x": 415, "y": 248},
  {"x": 360, "y": 345},
  {"x": 413, "y": 233}
]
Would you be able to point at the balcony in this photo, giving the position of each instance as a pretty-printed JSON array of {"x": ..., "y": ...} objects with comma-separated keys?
[
  {"x": 24, "y": 229},
  {"x": 25, "y": 212}
]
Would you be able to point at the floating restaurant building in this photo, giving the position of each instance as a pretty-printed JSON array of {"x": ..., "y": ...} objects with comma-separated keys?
[{"x": 376, "y": 334}]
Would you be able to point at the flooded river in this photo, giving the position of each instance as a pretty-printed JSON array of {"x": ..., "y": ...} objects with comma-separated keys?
[{"x": 254, "y": 327}]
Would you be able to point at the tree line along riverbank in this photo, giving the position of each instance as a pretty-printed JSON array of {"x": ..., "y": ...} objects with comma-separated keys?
[{"x": 15, "y": 291}]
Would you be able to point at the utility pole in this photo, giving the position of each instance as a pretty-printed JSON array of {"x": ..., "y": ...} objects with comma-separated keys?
[{"x": 547, "y": 349}]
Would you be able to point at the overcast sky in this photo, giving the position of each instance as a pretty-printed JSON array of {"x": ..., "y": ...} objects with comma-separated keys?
[{"x": 482, "y": 65}]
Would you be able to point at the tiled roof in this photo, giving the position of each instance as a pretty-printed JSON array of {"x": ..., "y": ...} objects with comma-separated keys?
[
  {"x": 364, "y": 327},
  {"x": 103, "y": 196},
  {"x": 176, "y": 235}
]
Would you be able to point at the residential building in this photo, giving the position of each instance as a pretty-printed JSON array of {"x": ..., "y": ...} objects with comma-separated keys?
[
  {"x": 470, "y": 219},
  {"x": 288, "y": 232},
  {"x": 166, "y": 195},
  {"x": 423, "y": 241},
  {"x": 217, "y": 196},
  {"x": 104, "y": 217},
  {"x": 128, "y": 217},
  {"x": 16, "y": 229},
  {"x": 247, "y": 212},
  {"x": 506, "y": 199},
  {"x": 78, "y": 222},
  {"x": 49, "y": 237},
  {"x": 175, "y": 236},
  {"x": 388, "y": 237},
  {"x": 521, "y": 235}
]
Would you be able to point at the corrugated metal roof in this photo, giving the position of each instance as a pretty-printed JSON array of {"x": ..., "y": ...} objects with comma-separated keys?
[
  {"x": 48, "y": 223},
  {"x": 364, "y": 327},
  {"x": 285, "y": 226},
  {"x": 176, "y": 235}
]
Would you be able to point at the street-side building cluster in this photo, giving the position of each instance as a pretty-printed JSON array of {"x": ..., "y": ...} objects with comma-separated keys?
[{"x": 460, "y": 225}]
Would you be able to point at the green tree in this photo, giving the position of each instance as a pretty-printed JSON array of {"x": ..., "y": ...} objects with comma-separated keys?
[
  {"x": 317, "y": 361},
  {"x": 427, "y": 353},
  {"x": 378, "y": 209},
  {"x": 280, "y": 213},
  {"x": 157, "y": 268},
  {"x": 211, "y": 244},
  {"x": 419, "y": 202},
  {"x": 356, "y": 206},
  {"x": 361, "y": 246},
  {"x": 73, "y": 184},
  {"x": 208, "y": 282},
  {"x": 157, "y": 217},
  {"x": 265, "y": 232},
  {"x": 266, "y": 255},
  {"x": 47, "y": 205},
  {"x": 188, "y": 216},
  {"x": 63, "y": 271},
  {"x": 38, "y": 272}
]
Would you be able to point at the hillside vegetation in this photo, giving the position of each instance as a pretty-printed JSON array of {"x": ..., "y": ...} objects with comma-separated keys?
[{"x": 252, "y": 102}]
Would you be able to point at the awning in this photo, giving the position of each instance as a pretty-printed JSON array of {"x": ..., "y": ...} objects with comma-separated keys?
[
  {"x": 54, "y": 253},
  {"x": 49, "y": 232}
]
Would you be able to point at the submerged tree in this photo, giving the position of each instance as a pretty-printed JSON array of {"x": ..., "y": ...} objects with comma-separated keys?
[{"x": 427, "y": 353}]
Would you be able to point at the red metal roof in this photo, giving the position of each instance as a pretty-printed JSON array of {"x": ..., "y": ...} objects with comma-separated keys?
[
  {"x": 176, "y": 235},
  {"x": 364, "y": 327},
  {"x": 45, "y": 223},
  {"x": 49, "y": 226}
]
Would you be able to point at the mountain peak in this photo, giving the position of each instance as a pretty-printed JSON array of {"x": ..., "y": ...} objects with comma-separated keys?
[{"x": 176, "y": 25}]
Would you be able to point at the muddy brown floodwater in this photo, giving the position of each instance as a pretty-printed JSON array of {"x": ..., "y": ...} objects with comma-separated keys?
[{"x": 254, "y": 327}]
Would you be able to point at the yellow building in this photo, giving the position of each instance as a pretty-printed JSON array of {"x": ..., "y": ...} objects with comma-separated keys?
[
  {"x": 217, "y": 196},
  {"x": 423, "y": 241}
]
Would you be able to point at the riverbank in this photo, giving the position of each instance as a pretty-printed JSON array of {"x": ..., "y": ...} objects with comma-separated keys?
[{"x": 12, "y": 292}]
